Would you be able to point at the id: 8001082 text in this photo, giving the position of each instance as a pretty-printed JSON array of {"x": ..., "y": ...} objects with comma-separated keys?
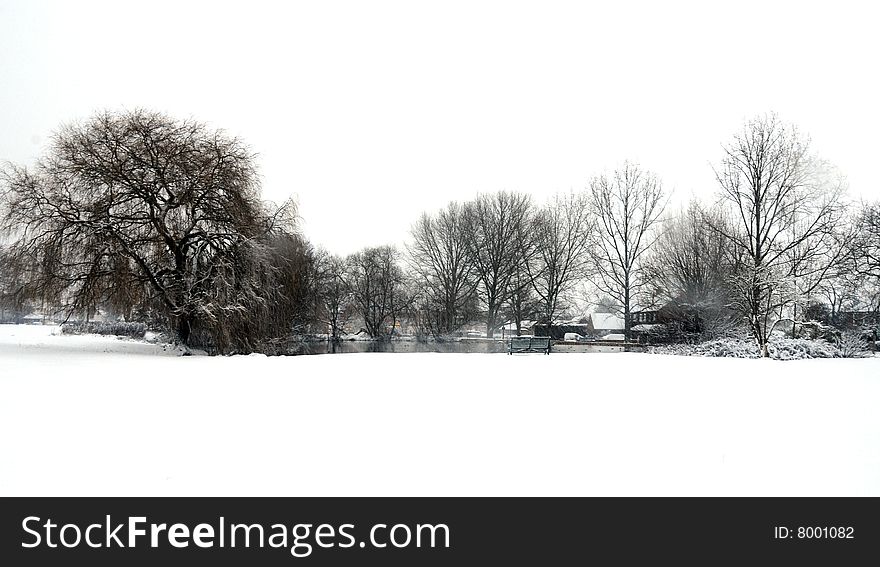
[{"x": 814, "y": 532}]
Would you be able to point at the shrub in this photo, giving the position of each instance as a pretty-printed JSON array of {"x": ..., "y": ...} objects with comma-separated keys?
[
  {"x": 780, "y": 348},
  {"x": 817, "y": 330},
  {"x": 728, "y": 347},
  {"x": 121, "y": 328},
  {"x": 798, "y": 349},
  {"x": 852, "y": 345}
]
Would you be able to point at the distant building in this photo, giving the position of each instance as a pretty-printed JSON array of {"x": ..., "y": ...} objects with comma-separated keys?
[
  {"x": 557, "y": 331},
  {"x": 643, "y": 318},
  {"x": 606, "y": 323},
  {"x": 33, "y": 319},
  {"x": 595, "y": 325},
  {"x": 526, "y": 328}
]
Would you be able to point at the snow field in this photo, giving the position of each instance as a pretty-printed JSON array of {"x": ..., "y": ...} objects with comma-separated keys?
[{"x": 89, "y": 415}]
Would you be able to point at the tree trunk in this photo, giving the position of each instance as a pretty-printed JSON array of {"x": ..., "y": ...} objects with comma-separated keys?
[
  {"x": 184, "y": 329},
  {"x": 517, "y": 308},
  {"x": 490, "y": 322},
  {"x": 755, "y": 320}
]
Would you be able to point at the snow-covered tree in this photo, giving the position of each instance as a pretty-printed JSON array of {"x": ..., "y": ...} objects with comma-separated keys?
[
  {"x": 139, "y": 202},
  {"x": 784, "y": 209}
]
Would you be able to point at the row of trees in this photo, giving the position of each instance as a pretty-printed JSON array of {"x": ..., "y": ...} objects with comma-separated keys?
[
  {"x": 161, "y": 220},
  {"x": 498, "y": 258},
  {"x": 778, "y": 241}
]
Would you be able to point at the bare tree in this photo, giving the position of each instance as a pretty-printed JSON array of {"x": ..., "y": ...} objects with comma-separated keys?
[
  {"x": 376, "y": 283},
  {"x": 688, "y": 257},
  {"x": 521, "y": 302},
  {"x": 784, "y": 209},
  {"x": 493, "y": 222},
  {"x": 628, "y": 204},
  {"x": 334, "y": 294},
  {"x": 815, "y": 262},
  {"x": 860, "y": 275},
  {"x": 440, "y": 258},
  {"x": 555, "y": 251},
  {"x": 138, "y": 200},
  {"x": 841, "y": 293},
  {"x": 866, "y": 248},
  {"x": 688, "y": 269}
]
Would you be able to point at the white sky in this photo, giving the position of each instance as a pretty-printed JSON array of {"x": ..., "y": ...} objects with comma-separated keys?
[{"x": 371, "y": 112}]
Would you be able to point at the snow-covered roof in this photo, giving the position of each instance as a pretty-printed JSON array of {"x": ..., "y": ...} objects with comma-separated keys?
[{"x": 609, "y": 321}]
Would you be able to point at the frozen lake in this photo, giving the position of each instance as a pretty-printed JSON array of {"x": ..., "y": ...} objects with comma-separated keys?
[{"x": 447, "y": 347}]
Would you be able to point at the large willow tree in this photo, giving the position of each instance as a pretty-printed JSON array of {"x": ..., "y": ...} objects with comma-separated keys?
[{"x": 136, "y": 207}]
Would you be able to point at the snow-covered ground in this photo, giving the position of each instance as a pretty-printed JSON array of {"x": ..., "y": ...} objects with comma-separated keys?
[{"x": 103, "y": 416}]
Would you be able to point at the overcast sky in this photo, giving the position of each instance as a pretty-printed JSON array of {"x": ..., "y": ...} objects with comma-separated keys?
[{"x": 371, "y": 112}]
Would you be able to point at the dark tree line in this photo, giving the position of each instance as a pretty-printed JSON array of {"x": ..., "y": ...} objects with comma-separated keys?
[{"x": 161, "y": 220}]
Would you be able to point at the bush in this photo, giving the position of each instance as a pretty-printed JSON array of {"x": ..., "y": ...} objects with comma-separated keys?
[
  {"x": 798, "y": 349},
  {"x": 120, "y": 328},
  {"x": 817, "y": 330},
  {"x": 729, "y": 347},
  {"x": 780, "y": 348},
  {"x": 852, "y": 345}
]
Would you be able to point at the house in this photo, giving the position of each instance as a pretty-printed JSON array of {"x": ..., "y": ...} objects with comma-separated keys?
[
  {"x": 557, "y": 331},
  {"x": 33, "y": 319},
  {"x": 643, "y": 318},
  {"x": 526, "y": 327},
  {"x": 606, "y": 323},
  {"x": 593, "y": 325}
]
